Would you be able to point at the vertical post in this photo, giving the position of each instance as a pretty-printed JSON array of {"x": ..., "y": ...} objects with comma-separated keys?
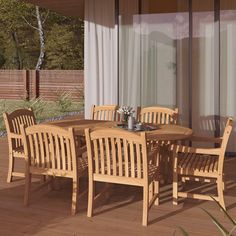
[
  {"x": 190, "y": 61},
  {"x": 26, "y": 83},
  {"x": 35, "y": 83},
  {"x": 217, "y": 67},
  {"x": 117, "y": 12},
  {"x": 37, "y": 75}
]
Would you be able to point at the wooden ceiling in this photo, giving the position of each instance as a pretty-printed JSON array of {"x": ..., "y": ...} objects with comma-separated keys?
[
  {"x": 76, "y": 7},
  {"x": 66, "y": 7}
]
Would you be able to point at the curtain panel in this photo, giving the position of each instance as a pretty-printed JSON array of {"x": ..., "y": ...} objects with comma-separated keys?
[{"x": 101, "y": 45}]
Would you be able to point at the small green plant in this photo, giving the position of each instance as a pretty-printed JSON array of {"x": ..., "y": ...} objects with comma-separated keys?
[
  {"x": 3, "y": 108},
  {"x": 64, "y": 101},
  {"x": 221, "y": 228},
  {"x": 37, "y": 105}
]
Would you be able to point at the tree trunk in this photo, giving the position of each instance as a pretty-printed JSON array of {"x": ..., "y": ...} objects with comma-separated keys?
[
  {"x": 41, "y": 40},
  {"x": 18, "y": 53}
]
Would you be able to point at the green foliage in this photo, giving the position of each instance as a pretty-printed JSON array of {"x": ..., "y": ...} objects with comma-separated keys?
[
  {"x": 64, "y": 101},
  {"x": 66, "y": 48},
  {"x": 19, "y": 42},
  {"x": 49, "y": 109},
  {"x": 37, "y": 105},
  {"x": 221, "y": 228}
]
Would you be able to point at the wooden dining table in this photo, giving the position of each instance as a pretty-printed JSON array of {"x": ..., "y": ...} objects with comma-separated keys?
[{"x": 167, "y": 132}]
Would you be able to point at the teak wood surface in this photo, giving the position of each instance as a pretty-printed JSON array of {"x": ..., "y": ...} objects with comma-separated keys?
[
  {"x": 122, "y": 157},
  {"x": 163, "y": 132},
  {"x": 13, "y": 121},
  {"x": 49, "y": 215}
]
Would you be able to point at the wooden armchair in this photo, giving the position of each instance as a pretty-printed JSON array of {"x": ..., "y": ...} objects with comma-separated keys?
[
  {"x": 51, "y": 151},
  {"x": 108, "y": 112},
  {"x": 118, "y": 156},
  {"x": 12, "y": 123},
  {"x": 200, "y": 164}
]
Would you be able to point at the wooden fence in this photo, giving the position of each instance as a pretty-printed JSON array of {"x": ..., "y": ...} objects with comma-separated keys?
[{"x": 48, "y": 84}]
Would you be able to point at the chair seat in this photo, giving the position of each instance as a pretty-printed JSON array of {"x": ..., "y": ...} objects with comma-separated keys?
[
  {"x": 153, "y": 171},
  {"x": 18, "y": 152},
  {"x": 197, "y": 164}
]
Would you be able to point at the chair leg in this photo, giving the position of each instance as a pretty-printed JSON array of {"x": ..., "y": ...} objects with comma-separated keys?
[
  {"x": 10, "y": 168},
  {"x": 220, "y": 185},
  {"x": 224, "y": 184},
  {"x": 75, "y": 188},
  {"x": 91, "y": 190},
  {"x": 151, "y": 191},
  {"x": 156, "y": 191},
  {"x": 42, "y": 179},
  {"x": 175, "y": 188},
  {"x": 145, "y": 205},
  {"x": 27, "y": 188}
]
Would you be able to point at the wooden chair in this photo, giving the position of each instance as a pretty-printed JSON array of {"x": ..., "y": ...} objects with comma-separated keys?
[
  {"x": 161, "y": 115},
  {"x": 107, "y": 112},
  {"x": 51, "y": 151},
  {"x": 121, "y": 157},
  {"x": 200, "y": 164},
  {"x": 12, "y": 123},
  {"x": 158, "y": 115}
]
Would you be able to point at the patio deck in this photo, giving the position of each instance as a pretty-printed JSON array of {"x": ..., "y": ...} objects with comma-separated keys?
[{"x": 49, "y": 211}]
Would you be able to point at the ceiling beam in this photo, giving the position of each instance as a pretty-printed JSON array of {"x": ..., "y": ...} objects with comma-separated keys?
[{"x": 65, "y": 7}]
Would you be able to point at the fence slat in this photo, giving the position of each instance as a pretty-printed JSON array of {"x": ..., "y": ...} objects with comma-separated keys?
[{"x": 48, "y": 84}]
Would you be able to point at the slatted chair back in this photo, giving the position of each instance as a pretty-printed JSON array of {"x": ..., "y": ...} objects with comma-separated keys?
[
  {"x": 107, "y": 112},
  {"x": 50, "y": 150},
  {"x": 225, "y": 138},
  {"x": 158, "y": 115},
  {"x": 117, "y": 156},
  {"x": 13, "y": 122}
]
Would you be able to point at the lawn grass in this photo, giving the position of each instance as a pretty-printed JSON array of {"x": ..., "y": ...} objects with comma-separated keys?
[{"x": 42, "y": 109}]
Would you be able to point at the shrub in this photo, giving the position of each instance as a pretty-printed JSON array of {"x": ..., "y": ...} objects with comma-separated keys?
[
  {"x": 64, "y": 101},
  {"x": 37, "y": 105},
  {"x": 221, "y": 228}
]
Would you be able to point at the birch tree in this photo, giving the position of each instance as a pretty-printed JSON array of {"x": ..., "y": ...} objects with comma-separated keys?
[
  {"x": 35, "y": 38},
  {"x": 41, "y": 34},
  {"x": 41, "y": 40}
]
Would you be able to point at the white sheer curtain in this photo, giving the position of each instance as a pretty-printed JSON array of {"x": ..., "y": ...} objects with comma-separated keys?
[
  {"x": 205, "y": 74},
  {"x": 101, "y": 55},
  {"x": 129, "y": 53},
  {"x": 149, "y": 66},
  {"x": 228, "y": 69},
  {"x": 158, "y": 60}
]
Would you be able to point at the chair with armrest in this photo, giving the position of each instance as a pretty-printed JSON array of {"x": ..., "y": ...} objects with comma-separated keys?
[
  {"x": 16, "y": 150},
  {"x": 201, "y": 164},
  {"x": 118, "y": 156},
  {"x": 51, "y": 151}
]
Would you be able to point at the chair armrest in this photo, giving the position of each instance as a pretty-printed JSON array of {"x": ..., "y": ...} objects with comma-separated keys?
[
  {"x": 187, "y": 149},
  {"x": 205, "y": 139},
  {"x": 16, "y": 136}
]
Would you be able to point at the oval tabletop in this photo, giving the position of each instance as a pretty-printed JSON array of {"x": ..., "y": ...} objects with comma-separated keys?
[
  {"x": 170, "y": 132},
  {"x": 161, "y": 132}
]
